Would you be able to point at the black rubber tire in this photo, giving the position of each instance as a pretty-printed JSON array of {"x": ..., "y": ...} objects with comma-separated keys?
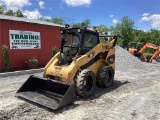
[
  {"x": 85, "y": 83},
  {"x": 106, "y": 76},
  {"x": 158, "y": 59}
]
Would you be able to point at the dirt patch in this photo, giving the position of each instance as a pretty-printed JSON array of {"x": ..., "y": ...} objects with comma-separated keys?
[{"x": 25, "y": 111}]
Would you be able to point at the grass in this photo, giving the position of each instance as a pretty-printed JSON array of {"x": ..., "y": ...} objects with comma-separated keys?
[{"x": 146, "y": 54}]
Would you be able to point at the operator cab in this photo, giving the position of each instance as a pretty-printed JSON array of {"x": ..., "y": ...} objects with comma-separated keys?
[{"x": 76, "y": 42}]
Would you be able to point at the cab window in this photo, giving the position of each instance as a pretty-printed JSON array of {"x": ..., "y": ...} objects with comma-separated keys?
[{"x": 90, "y": 41}]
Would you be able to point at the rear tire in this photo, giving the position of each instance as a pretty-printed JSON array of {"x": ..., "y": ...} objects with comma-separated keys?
[
  {"x": 106, "y": 76},
  {"x": 85, "y": 83}
]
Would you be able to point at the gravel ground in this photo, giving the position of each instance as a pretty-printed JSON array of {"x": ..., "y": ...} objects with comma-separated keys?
[{"x": 134, "y": 96}]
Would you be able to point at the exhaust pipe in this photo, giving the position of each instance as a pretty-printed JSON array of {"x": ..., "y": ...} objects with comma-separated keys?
[{"x": 46, "y": 92}]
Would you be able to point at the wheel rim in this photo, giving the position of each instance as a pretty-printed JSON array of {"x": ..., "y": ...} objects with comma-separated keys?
[{"x": 88, "y": 83}]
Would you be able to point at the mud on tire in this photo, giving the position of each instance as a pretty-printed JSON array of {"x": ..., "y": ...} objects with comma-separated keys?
[
  {"x": 85, "y": 83},
  {"x": 106, "y": 76}
]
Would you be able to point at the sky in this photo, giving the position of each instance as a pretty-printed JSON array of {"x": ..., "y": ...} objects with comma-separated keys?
[{"x": 145, "y": 13}]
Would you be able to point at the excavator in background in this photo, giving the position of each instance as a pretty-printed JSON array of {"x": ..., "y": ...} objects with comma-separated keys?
[
  {"x": 134, "y": 48},
  {"x": 83, "y": 62},
  {"x": 149, "y": 58}
]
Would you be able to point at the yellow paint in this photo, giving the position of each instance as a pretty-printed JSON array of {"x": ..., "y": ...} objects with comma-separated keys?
[{"x": 68, "y": 73}]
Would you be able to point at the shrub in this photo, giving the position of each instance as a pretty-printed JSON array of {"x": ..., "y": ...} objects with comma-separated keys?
[
  {"x": 5, "y": 57},
  {"x": 54, "y": 51}
]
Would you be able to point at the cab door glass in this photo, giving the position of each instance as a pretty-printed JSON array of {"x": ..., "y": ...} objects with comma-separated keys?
[{"x": 90, "y": 41}]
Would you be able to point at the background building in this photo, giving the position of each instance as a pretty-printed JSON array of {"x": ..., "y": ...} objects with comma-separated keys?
[{"x": 26, "y": 39}]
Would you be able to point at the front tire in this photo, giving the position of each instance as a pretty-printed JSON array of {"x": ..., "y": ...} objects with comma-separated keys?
[{"x": 85, "y": 83}]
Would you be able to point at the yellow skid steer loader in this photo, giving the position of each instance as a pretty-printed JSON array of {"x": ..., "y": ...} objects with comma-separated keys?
[{"x": 83, "y": 62}]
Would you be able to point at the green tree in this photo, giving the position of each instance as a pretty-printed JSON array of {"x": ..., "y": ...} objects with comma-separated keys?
[
  {"x": 10, "y": 12},
  {"x": 151, "y": 36},
  {"x": 112, "y": 30},
  {"x": 155, "y": 36},
  {"x": 77, "y": 25},
  {"x": 87, "y": 22},
  {"x": 19, "y": 13},
  {"x": 47, "y": 20},
  {"x": 2, "y": 8},
  {"x": 58, "y": 21},
  {"x": 102, "y": 29},
  {"x": 140, "y": 36},
  {"x": 125, "y": 30}
]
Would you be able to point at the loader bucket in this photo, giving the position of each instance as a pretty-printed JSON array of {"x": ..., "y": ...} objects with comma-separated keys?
[{"x": 48, "y": 93}]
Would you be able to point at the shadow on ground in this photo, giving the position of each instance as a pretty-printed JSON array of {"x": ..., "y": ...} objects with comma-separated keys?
[{"x": 98, "y": 92}]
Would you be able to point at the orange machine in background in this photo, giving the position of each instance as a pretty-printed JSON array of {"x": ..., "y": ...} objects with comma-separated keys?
[
  {"x": 134, "y": 48},
  {"x": 155, "y": 54}
]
